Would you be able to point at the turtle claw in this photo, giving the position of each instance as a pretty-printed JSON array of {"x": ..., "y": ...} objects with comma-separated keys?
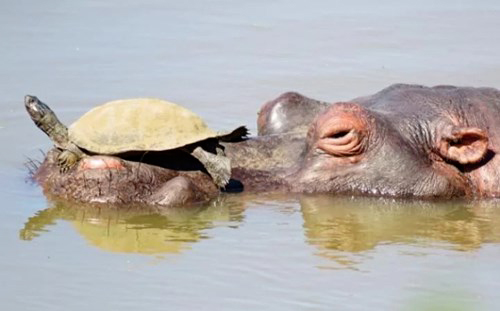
[{"x": 66, "y": 160}]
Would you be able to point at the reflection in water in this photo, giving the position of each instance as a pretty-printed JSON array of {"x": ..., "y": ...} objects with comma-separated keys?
[
  {"x": 135, "y": 230},
  {"x": 339, "y": 226}
]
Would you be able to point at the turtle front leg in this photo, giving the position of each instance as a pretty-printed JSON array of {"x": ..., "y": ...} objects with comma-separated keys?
[
  {"x": 69, "y": 157},
  {"x": 66, "y": 160},
  {"x": 217, "y": 165}
]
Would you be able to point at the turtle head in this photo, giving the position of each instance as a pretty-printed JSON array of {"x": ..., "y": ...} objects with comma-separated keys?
[
  {"x": 36, "y": 109},
  {"x": 46, "y": 120}
]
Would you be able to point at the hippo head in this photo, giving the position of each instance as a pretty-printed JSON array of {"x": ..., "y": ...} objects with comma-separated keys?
[{"x": 354, "y": 149}]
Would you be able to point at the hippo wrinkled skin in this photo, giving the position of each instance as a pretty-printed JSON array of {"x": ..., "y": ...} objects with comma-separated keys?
[{"x": 404, "y": 141}]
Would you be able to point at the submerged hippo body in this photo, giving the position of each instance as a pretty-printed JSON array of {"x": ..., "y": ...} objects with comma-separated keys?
[
  {"x": 405, "y": 141},
  {"x": 108, "y": 179}
]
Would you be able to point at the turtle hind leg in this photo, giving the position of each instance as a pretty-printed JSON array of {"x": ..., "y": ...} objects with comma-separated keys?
[
  {"x": 239, "y": 134},
  {"x": 217, "y": 165}
]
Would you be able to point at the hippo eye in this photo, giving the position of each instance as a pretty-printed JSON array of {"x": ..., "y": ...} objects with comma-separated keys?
[
  {"x": 341, "y": 130},
  {"x": 341, "y": 142},
  {"x": 340, "y": 134}
]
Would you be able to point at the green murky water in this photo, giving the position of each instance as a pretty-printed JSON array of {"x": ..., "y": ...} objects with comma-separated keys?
[{"x": 223, "y": 59}]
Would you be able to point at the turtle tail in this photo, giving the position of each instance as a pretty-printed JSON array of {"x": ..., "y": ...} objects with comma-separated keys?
[{"x": 239, "y": 134}]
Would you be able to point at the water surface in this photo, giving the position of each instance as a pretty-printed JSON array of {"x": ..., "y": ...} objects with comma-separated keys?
[{"x": 223, "y": 59}]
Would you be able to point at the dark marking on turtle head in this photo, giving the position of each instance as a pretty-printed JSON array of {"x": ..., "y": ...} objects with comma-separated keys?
[{"x": 36, "y": 109}]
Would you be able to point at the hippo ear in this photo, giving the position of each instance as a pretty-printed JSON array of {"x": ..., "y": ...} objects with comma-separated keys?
[{"x": 465, "y": 145}]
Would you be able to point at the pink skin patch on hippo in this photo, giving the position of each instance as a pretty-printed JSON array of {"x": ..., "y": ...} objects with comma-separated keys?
[{"x": 101, "y": 162}]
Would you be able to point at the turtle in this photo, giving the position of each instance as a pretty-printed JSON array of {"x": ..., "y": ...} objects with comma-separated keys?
[{"x": 140, "y": 124}]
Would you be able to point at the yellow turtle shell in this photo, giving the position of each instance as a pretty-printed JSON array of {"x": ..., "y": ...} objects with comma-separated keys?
[{"x": 138, "y": 124}]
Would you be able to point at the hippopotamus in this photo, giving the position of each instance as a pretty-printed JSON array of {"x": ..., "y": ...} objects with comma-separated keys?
[{"x": 406, "y": 141}]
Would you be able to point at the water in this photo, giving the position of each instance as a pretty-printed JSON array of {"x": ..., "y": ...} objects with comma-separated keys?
[{"x": 223, "y": 59}]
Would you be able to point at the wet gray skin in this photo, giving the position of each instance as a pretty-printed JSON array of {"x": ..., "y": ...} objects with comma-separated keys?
[{"x": 404, "y": 141}]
